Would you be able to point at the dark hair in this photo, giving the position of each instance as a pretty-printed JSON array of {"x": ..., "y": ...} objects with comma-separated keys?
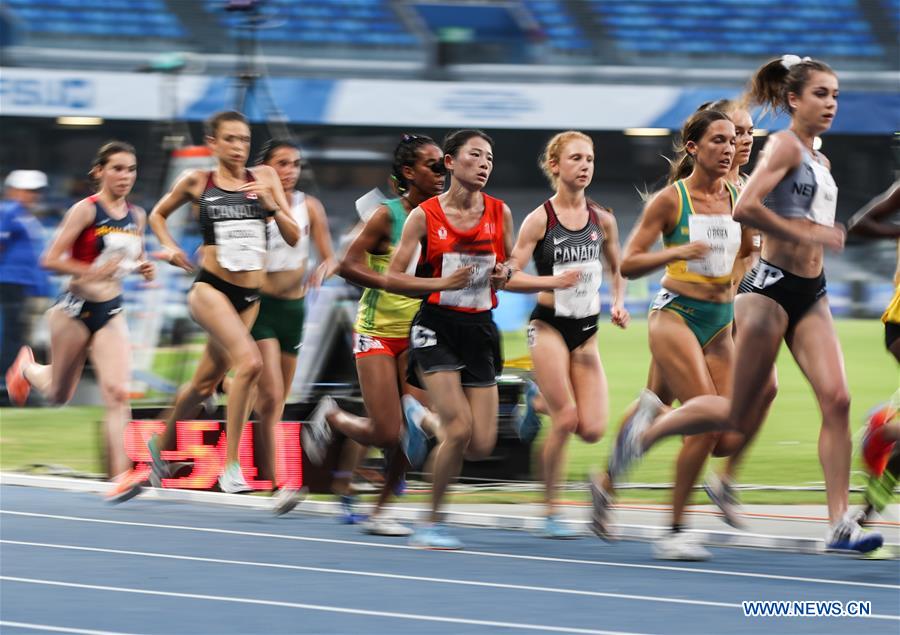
[
  {"x": 270, "y": 146},
  {"x": 211, "y": 125},
  {"x": 458, "y": 138},
  {"x": 693, "y": 130},
  {"x": 773, "y": 81},
  {"x": 405, "y": 155},
  {"x": 722, "y": 105},
  {"x": 104, "y": 153}
]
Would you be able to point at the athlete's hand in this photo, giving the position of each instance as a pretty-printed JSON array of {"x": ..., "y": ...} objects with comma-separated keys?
[
  {"x": 175, "y": 257},
  {"x": 567, "y": 279},
  {"x": 147, "y": 269},
  {"x": 459, "y": 279},
  {"x": 263, "y": 192},
  {"x": 693, "y": 250},
  {"x": 831, "y": 238},
  {"x": 619, "y": 316},
  {"x": 500, "y": 275},
  {"x": 318, "y": 276}
]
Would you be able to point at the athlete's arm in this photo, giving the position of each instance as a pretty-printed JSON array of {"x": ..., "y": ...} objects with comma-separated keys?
[
  {"x": 271, "y": 195},
  {"x": 533, "y": 229},
  {"x": 145, "y": 267},
  {"x": 781, "y": 155},
  {"x": 321, "y": 235},
  {"x": 618, "y": 312},
  {"x": 56, "y": 257},
  {"x": 871, "y": 221},
  {"x": 181, "y": 193},
  {"x": 353, "y": 267},
  {"x": 658, "y": 217},
  {"x": 398, "y": 281}
]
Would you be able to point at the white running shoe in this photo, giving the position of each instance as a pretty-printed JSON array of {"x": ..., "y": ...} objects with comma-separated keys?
[
  {"x": 629, "y": 445},
  {"x": 316, "y": 432},
  {"x": 384, "y": 525},
  {"x": 232, "y": 480},
  {"x": 680, "y": 546},
  {"x": 721, "y": 493},
  {"x": 286, "y": 499},
  {"x": 847, "y": 535}
]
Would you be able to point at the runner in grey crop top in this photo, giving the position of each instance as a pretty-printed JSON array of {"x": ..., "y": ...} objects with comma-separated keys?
[{"x": 808, "y": 191}]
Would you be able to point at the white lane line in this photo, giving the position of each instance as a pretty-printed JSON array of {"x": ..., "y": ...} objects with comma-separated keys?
[
  {"x": 373, "y": 574},
  {"x": 464, "y": 552},
  {"x": 320, "y": 607},
  {"x": 58, "y": 629}
]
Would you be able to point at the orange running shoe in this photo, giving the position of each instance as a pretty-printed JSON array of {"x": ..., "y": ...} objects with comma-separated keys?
[
  {"x": 17, "y": 386},
  {"x": 876, "y": 450},
  {"x": 124, "y": 487}
]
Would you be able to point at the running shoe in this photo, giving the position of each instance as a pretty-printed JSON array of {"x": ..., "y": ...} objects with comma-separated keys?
[
  {"x": 528, "y": 423},
  {"x": 680, "y": 546},
  {"x": 847, "y": 535},
  {"x": 412, "y": 441},
  {"x": 349, "y": 516},
  {"x": 124, "y": 487},
  {"x": 876, "y": 449},
  {"x": 17, "y": 387},
  {"x": 232, "y": 480},
  {"x": 316, "y": 432},
  {"x": 286, "y": 499},
  {"x": 159, "y": 469},
  {"x": 601, "y": 501},
  {"x": 721, "y": 493},
  {"x": 553, "y": 528},
  {"x": 436, "y": 537},
  {"x": 383, "y": 525},
  {"x": 880, "y": 490},
  {"x": 629, "y": 445}
]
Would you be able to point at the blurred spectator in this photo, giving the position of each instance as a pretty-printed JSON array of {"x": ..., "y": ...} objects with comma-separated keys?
[{"x": 21, "y": 244}]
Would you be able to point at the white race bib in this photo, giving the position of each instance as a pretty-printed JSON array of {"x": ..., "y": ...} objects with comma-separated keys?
[
  {"x": 476, "y": 294},
  {"x": 824, "y": 203},
  {"x": 723, "y": 236},
  {"x": 583, "y": 299},
  {"x": 241, "y": 244},
  {"x": 122, "y": 245}
]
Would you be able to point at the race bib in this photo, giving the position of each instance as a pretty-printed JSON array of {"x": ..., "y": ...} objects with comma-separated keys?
[
  {"x": 662, "y": 299},
  {"x": 121, "y": 245},
  {"x": 71, "y": 305},
  {"x": 241, "y": 244},
  {"x": 583, "y": 299},
  {"x": 723, "y": 236},
  {"x": 476, "y": 294},
  {"x": 824, "y": 203}
]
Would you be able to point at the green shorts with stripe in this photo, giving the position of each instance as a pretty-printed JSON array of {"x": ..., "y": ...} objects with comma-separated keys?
[
  {"x": 705, "y": 319},
  {"x": 281, "y": 320}
]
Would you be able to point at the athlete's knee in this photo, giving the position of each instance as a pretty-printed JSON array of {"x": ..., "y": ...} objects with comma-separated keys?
[
  {"x": 565, "y": 420},
  {"x": 250, "y": 366},
  {"x": 458, "y": 431},
  {"x": 835, "y": 403},
  {"x": 385, "y": 434},
  {"x": 771, "y": 390},
  {"x": 592, "y": 432},
  {"x": 478, "y": 449},
  {"x": 114, "y": 393}
]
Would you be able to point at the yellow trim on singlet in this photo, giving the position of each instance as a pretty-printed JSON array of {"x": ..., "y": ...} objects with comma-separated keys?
[{"x": 384, "y": 314}]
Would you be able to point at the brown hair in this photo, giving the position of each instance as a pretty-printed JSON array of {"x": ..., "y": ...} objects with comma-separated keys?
[
  {"x": 102, "y": 157},
  {"x": 553, "y": 151},
  {"x": 773, "y": 81},
  {"x": 693, "y": 130},
  {"x": 211, "y": 125}
]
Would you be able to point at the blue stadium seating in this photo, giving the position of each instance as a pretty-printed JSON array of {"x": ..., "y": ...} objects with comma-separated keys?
[
  {"x": 149, "y": 19},
  {"x": 560, "y": 28},
  {"x": 830, "y": 29}
]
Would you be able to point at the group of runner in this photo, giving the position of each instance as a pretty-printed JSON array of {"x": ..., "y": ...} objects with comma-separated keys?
[{"x": 431, "y": 261}]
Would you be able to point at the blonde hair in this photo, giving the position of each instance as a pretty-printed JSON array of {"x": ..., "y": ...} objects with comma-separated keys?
[{"x": 553, "y": 151}]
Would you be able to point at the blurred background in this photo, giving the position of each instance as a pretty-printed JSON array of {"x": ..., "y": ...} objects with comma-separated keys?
[{"x": 346, "y": 78}]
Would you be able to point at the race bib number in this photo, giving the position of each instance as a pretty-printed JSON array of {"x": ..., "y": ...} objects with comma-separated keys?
[
  {"x": 476, "y": 294},
  {"x": 71, "y": 305},
  {"x": 126, "y": 247},
  {"x": 662, "y": 299},
  {"x": 766, "y": 275},
  {"x": 723, "y": 236},
  {"x": 241, "y": 244},
  {"x": 583, "y": 299},
  {"x": 824, "y": 203}
]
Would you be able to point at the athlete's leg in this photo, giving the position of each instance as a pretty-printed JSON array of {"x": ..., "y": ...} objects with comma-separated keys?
[
  {"x": 814, "y": 344},
  {"x": 111, "y": 358},
  {"x": 269, "y": 402},
  {"x": 69, "y": 342},
  {"x": 381, "y": 395},
  {"x": 212, "y": 311},
  {"x": 483, "y": 403}
]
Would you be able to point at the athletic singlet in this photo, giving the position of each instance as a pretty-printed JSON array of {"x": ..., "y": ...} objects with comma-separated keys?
[
  {"x": 448, "y": 249},
  {"x": 808, "y": 191},
  {"x": 236, "y": 223},
  {"x": 281, "y": 256},
  {"x": 718, "y": 230},
  {"x": 380, "y": 313},
  {"x": 108, "y": 238},
  {"x": 563, "y": 249}
]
